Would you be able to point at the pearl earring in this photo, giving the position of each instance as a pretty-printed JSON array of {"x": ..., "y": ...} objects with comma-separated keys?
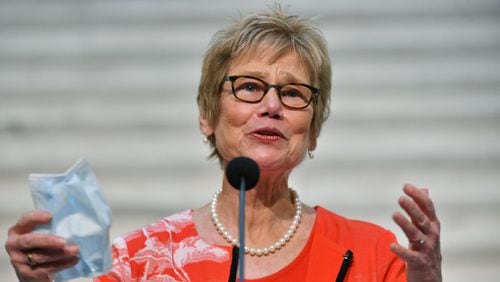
[
  {"x": 310, "y": 154},
  {"x": 205, "y": 140}
]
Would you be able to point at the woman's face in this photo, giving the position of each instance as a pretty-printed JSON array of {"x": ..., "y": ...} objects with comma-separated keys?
[{"x": 276, "y": 137}]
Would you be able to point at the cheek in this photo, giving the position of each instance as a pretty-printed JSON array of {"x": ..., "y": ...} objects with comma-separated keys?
[
  {"x": 301, "y": 125},
  {"x": 302, "y": 130},
  {"x": 229, "y": 129},
  {"x": 233, "y": 116}
]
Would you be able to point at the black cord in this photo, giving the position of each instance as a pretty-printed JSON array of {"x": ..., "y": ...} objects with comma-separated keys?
[
  {"x": 348, "y": 257},
  {"x": 234, "y": 265}
]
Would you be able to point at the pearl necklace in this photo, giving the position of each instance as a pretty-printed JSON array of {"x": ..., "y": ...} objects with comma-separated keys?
[{"x": 252, "y": 251}]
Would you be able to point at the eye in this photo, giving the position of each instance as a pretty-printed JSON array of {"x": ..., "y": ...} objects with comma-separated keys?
[
  {"x": 250, "y": 86},
  {"x": 292, "y": 93}
]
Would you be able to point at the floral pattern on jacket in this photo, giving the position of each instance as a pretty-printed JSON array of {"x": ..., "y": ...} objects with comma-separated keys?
[{"x": 162, "y": 251}]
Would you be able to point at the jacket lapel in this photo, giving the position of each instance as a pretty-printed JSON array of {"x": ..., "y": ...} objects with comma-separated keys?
[{"x": 325, "y": 259}]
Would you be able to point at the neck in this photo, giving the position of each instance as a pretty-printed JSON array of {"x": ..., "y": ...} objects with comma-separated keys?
[
  {"x": 269, "y": 193},
  {"x": 269, "y": 209}
]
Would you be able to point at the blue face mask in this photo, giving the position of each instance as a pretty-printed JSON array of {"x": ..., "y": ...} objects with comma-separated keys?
[{"x": 80, "y": 214}]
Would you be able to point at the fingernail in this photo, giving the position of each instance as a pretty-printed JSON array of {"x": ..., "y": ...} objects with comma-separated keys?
[
  {"x": 407, "y": 186},
  {"x": 61, "y": 240},
  {"x": 43, "y": 215},
  {"x": 426, "y": 191},
  {"x": 74, "y": 248}
]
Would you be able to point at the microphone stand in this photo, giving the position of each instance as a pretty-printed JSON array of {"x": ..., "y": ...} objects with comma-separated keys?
[
  {"x": 242, "y": 173},
  {"x": 241, "y": 253}
]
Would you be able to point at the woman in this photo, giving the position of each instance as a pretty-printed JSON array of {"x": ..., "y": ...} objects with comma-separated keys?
[{"x": 264, "y": 94}]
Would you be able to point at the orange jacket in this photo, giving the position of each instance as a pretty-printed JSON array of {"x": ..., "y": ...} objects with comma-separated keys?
[
  {"x": 372, "y": 258},
  {"x": 171, "y": 250}
]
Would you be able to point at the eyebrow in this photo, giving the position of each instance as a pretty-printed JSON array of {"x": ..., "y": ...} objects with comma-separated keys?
[{"x": 288, "y": 77}]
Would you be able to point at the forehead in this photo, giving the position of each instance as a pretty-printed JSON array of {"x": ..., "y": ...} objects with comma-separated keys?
[{"x": 263, "y": 62}]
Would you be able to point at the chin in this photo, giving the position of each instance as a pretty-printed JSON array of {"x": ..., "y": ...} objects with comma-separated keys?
[{"x": 275, "y": 163}]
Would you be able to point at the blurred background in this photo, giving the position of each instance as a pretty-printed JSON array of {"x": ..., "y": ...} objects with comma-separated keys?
[{"x": 416, "y": 98}]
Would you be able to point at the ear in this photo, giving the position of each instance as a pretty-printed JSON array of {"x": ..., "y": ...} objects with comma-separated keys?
[
  {"x": 312, "y": 142},
  {"x": 312, "y": 146},
  {"x": 205, "y": 126}
]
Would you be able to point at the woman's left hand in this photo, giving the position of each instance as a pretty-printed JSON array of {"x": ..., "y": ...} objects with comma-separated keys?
[{"x": 423, "y": 255}]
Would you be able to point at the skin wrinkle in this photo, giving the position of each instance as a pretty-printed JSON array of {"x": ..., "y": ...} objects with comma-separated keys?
[
  {"x": 261, "y": 230},
  {"x": 270, "y": 105},
  {"x": 277, "y": 33},
  {"x": 285, "y": 76},
  {"x": 274, "y": 54},
  {"x": 269, "y": 206}
]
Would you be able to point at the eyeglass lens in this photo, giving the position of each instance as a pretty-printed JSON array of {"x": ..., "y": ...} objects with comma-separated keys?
[{"x": 253, "y": 90}]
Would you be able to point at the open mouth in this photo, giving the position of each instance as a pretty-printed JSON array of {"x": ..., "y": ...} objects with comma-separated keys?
[{"x": 269, "y": 133}]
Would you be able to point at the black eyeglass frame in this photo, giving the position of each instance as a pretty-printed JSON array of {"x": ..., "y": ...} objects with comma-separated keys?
[{"x": 232, "y": 78}]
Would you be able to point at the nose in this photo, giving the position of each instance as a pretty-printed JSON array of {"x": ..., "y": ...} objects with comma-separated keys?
[{"x": 270, "y": 105}]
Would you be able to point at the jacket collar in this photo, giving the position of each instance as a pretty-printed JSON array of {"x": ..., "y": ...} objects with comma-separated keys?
[{"x": 327, "y": 254}]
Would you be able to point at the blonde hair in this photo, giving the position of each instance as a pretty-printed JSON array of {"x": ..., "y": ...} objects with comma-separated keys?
[{"x": 278, "y": 31}]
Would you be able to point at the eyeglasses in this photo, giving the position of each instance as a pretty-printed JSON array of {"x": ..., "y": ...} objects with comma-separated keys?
[{"x": 250, "y": 89}]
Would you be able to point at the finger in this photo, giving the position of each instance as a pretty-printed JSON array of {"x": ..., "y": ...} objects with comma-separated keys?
[
  {"x": 417, "y": 216},
  {"x": 412, "y": 233},
  {"x": 59, "y": 265},
  {"x": 422, "y": 199},
  {"x": 426, "y": 191},
  {"x": 43, "y": 256},
  {"x": 30, "y": 220},
  {"x": 405, "y": 254},
  {"x": 42, "y": 271},
  {"x": 39, "y": 241}
]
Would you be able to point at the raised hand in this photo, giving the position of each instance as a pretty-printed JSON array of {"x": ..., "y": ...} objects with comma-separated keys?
[{"x": 423, "y": 255}]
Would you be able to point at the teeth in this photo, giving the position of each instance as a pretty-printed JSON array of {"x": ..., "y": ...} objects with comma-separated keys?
[
  {"x": 272, "y": 133},
  {"x": 268, "y": 133}
]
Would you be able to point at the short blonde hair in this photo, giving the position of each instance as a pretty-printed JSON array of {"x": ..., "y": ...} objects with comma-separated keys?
[{"x": 278, "y": 31}]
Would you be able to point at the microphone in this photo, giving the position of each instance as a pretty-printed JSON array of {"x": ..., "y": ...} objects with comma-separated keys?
[
  {"x": 243, "y": 174},
  {"x": 242, "y": 170}
]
